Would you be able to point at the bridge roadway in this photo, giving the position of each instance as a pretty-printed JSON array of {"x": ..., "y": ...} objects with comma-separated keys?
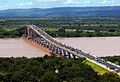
[{"x": 78, "y": 53}]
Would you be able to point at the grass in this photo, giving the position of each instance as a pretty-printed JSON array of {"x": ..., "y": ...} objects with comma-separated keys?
[
  {"x": 56, "y": 29},
  {"x": 9, "y": 29},
  {"x": 100, "y": 70},
  {"x": 70, "y": 30},
  {"x": 50, "y": 29},
  {"x": 67, "y": 30}
]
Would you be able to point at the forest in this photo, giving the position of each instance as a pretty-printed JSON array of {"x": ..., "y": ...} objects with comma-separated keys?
[
  {"x": 50, "y": 69},
  {"x": 63, "y": 27}
]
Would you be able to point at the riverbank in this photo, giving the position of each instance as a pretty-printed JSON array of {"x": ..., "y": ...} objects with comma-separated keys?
[
  {"x": 61, "y": 32},
  {"x": 17, "y": 33},
  {"x": 11, "y": 32},
  {"x": 66, "y": 27}
]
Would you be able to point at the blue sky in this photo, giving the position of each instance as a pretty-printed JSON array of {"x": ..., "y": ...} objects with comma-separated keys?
[{"x": 13, "y": 4}]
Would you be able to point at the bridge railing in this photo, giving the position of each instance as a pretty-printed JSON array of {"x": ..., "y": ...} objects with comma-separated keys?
[
  {"x": 87, "y": 55},
  {"x": 52, "y": 39}
]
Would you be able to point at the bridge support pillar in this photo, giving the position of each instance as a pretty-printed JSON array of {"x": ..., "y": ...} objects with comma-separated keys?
[
  {"x": 56, "y": 50},
  {"x": 65, "y": 53},
  {"x": 60, "y": 50},
  {"x": 46, "y": 46},
  {"x": 69, "y": 55},
  {"x": 75, "y": 57},
  {"x": 29, "y": 33}
]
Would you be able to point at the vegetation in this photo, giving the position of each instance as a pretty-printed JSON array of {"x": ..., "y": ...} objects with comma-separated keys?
[
  {"x": 13, "y": 31},
  {"x": 66, "y": 27},
  {"x": 114, "y": 59},
  {"x": 50, "y": 69},
  {"x": 100, "y": 70}
]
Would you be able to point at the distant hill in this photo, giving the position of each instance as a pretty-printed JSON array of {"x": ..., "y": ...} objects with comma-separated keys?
[{"x": 113, "y": 11}]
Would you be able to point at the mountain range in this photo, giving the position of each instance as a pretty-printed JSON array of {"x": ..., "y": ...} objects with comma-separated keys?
[{"x": 109, "y": 11}]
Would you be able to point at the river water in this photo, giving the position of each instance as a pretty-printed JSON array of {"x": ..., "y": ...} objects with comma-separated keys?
[
  {"x": 99, "y": 46},
  {"x": 19, "y": 48}
]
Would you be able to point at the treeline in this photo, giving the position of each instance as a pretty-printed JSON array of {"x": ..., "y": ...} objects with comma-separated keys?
[
  {"x": 13, "y": 32},
  {"x": 81, "y": 33},
  {"x": 85, "y": 27},
  {"x": 50, "y": 69},
  {"x": 104, "y": 24}
]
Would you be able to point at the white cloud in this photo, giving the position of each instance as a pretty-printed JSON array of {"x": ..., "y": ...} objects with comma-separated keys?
[
  {"x": 71, "y": 2},
  {"x": 104, "y": 1},
  {"x": 58, "y": 3},
  {"x": 110, "y": 1},
  {"x": 26, "y": 4},
  {"x": 42, "y": 1},
  {"x": 3, "y": 6},
  {"x": 49, "y": 3},
  {"x": 77, "y": 2},
  {"x": 87, "y": 2}
]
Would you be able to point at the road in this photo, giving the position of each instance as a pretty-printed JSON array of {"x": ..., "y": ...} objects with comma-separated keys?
[{"x": 107, "y": 64}]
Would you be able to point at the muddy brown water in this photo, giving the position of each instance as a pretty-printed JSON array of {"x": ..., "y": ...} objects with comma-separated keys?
[
  {"x": 19, "y": 48},
  {"x": 99, "y": 46}
]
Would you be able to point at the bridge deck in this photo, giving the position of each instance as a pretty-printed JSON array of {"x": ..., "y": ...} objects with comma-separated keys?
[{"x": 77, "y": 52}]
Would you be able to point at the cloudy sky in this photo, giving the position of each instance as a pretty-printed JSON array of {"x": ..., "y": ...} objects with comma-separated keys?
[{"x": 12, "y": 4}]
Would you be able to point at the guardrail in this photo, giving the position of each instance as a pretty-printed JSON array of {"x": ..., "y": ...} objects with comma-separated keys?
[{"x": 88, "y": 56}]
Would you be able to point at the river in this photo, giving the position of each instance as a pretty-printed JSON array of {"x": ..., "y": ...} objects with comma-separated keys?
[
  {"x": 99, "y": 46},
  {"x": 19, "y": 48}
]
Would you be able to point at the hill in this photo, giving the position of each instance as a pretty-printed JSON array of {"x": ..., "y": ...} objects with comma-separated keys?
[{"x": 113, "y": 11}]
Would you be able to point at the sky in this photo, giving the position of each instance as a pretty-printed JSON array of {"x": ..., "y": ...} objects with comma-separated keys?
[{"x": 13, "y": 4}]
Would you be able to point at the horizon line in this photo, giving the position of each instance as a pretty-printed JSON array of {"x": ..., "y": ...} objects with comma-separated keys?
[{"x": 59, "y": 7}]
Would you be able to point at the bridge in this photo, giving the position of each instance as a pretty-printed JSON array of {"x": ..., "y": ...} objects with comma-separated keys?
[{"x": 43, "y": 39}]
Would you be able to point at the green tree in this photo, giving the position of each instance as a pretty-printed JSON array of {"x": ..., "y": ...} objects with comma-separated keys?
[
  {"x": 61, "y": 30},
  {"x": 50, "y": 76}
]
